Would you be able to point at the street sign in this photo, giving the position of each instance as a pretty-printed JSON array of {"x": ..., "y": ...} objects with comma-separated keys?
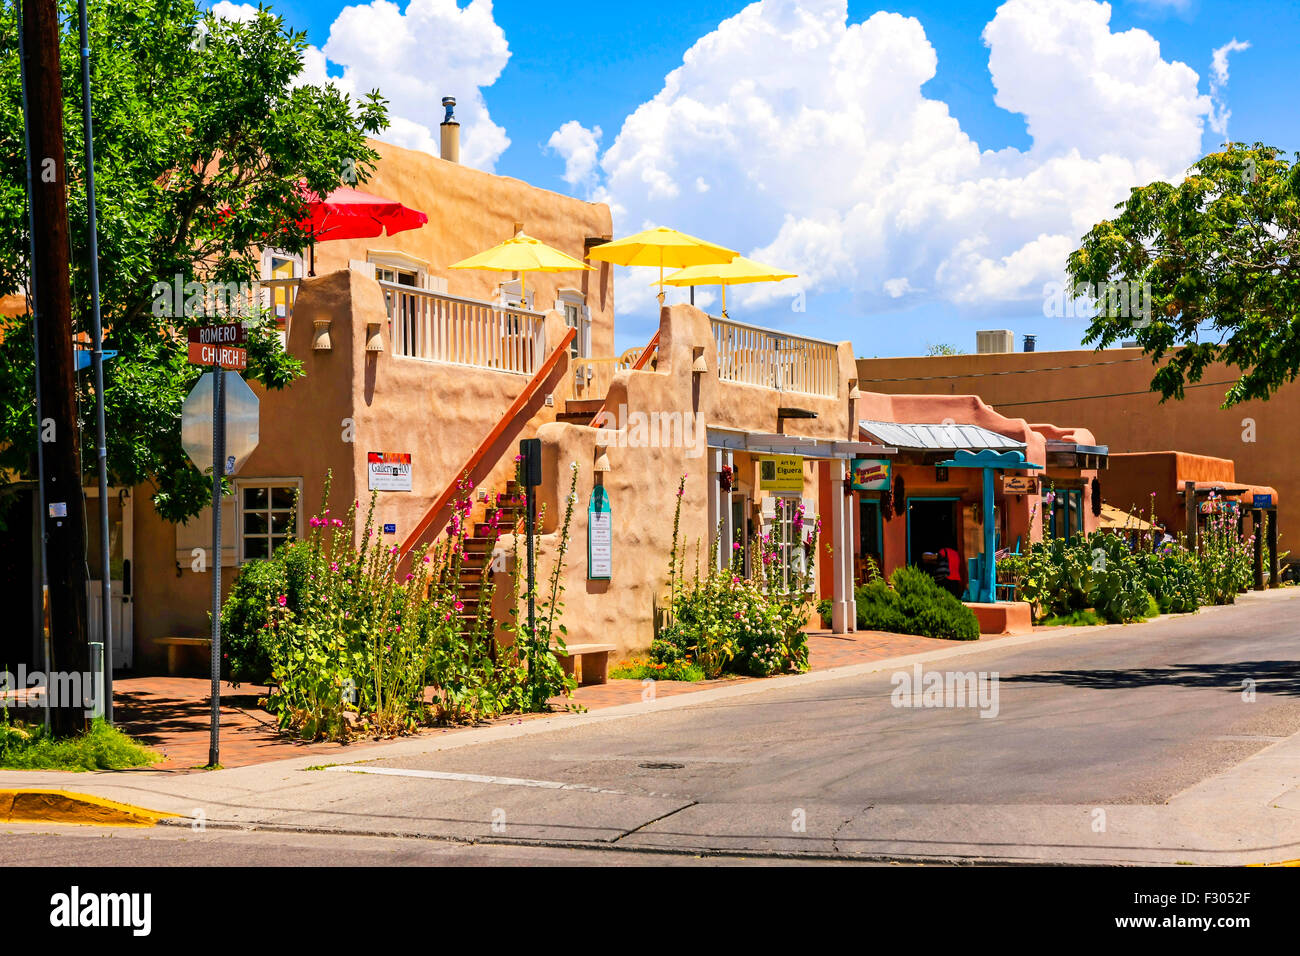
[
  {"x": 230, "y": 333},
  {"x": 202, "y": 353},
  {"x": 1262, "y": 501},
  {"x": 241, "y": 431}
]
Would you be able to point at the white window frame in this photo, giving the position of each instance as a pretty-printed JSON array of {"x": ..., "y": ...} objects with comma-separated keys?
[
  {"x": 566, "y": 299},
  {"x": 294, "y": 257},
  {"x": 400, "y": 262},
  {"x": 508, "y": 296},
  {"x": 789, "y": 549},
  {"x": 243, "y": 483}
]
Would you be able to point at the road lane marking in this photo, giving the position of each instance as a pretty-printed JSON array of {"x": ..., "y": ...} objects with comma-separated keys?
[{"x": 476, "y": 778}]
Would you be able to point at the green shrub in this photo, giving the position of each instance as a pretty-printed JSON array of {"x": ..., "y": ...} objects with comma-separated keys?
[
  {"x": 647, "y": 669},
  {"x": 102, "y": 747},
  {"x": 1074, "y": 619},
  {"x": 1172, "y": 575},
  {"x": 913, "y": 603},
  {"x": 352, "y": 646}
]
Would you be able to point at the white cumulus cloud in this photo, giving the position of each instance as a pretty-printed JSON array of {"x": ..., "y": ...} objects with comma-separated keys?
[
  {"x": 1218, "y": 80},
  {"x": 414, "y": 57},
  {"x": 579, "y": 147},
  {"x": 828, "y": 159}
]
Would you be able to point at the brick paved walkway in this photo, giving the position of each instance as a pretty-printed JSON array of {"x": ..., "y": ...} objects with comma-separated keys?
[{"x": 171, "y": 714}]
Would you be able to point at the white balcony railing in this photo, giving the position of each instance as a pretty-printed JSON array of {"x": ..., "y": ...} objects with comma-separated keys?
[
  {"x": 446, "y": 328},
  {"x": 788, "y": 363}
]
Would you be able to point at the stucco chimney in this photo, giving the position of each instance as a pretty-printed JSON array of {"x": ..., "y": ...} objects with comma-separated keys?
[{"x": 450, "y": 130}]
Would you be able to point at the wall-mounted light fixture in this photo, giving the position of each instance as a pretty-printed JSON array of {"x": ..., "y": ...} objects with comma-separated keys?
[
  {"x": 321, "y": 336},
  {"x": 854, "y": 392},
  {"x": 602, "y": 460},
  {"x": 374, "y": 342},
  {"x": 698, "y": 365}
]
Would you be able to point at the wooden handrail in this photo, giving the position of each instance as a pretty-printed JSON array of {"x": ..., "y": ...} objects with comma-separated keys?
[
  {"x": 637, "y": 366},
  {"x": 437, "y": 515}
]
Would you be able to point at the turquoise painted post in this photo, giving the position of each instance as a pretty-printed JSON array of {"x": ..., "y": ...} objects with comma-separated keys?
[{"x": 987, "y": 589}]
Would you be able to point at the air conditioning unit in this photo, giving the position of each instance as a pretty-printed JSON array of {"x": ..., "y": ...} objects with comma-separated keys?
[{"x": 995, "y": 340}]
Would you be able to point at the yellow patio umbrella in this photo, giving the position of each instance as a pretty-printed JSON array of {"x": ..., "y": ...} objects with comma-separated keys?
[
  {"x": 738, "y": 271},
  {"x": 522, "y": 254},
  {"x": 662, "y": 247}
]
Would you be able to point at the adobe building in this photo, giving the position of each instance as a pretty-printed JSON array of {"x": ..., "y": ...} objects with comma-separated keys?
[
  {"x": 417, "y": 376},
  {"x": 1108, "y": 392},
  {"x": 942, "y": 506}
]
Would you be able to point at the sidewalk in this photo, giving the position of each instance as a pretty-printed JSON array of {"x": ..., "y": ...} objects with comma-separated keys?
[{"x": 172, "y": 714}]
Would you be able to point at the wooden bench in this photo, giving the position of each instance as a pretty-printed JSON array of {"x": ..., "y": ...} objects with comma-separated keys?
[
  {"x": 593, "y": 661},
  {"x": 174, "y": 644}
]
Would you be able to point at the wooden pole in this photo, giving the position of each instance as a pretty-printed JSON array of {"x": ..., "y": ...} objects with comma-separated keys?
[
  {"x": 1189, "y": 496},
  {"x": 1257, "y": 522},
  {"x": 64, "y": 520},
  {"x": 1274, "y": 578}
]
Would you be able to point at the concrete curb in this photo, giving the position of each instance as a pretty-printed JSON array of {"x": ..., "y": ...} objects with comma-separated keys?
[{"x": 63, "y": 806}]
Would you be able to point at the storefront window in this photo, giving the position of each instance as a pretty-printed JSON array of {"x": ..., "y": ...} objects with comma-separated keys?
[{"x": 1063, "y": 512}]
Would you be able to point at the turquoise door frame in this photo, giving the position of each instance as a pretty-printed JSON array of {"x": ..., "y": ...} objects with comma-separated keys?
[
  {"x": 907, "y": 559},
  {"x": 989, "y": 461}
]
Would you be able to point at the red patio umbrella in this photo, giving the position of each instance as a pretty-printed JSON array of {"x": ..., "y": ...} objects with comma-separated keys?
[{"x": 349, "y": 213}]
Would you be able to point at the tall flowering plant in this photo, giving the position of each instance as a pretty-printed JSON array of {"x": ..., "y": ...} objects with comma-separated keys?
[{"x": 724, "y": 622}]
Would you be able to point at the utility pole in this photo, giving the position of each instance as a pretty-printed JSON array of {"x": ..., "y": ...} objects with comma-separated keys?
[{"x": 63, "y": 520}]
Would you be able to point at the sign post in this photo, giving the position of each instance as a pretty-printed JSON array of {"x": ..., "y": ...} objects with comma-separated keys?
[
  {"x": 218, "y": 463},
  {"x": 232, "y": 404}
]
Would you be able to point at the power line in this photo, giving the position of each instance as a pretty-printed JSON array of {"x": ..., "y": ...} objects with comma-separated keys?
[{"x": 1084, "y": 398}]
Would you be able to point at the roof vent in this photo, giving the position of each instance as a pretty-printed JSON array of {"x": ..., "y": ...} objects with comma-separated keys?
[{"x": 450, "y": 131}]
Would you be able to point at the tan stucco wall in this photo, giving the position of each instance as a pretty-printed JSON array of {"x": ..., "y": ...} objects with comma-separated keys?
[
  {"x": 1110, "y": 394},
  {"x": 642, "y": 482},
  {"x": 470, "y": 211},
  {"x": 437, "y": 412}
]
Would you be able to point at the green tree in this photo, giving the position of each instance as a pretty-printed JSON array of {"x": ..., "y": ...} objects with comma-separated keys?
[
  {"x": 204, "y": 138},
  {"x": 942, "y": 348},
  {"x": 1212, "y": 264}
]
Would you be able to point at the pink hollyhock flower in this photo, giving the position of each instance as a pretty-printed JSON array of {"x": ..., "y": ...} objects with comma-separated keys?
[{"x": 283, "y": 599}]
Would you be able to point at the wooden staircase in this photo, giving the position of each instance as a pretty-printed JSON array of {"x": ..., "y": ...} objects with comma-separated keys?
[{"x": 503, "y": 515}]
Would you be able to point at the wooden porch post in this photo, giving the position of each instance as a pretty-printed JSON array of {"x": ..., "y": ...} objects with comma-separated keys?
[
  {"x": 842, "y": 608},
  {"x": 1257, "y": 521},
  {"x": 1274, "y": 580},
  {"x": 1189, "y": 496}
]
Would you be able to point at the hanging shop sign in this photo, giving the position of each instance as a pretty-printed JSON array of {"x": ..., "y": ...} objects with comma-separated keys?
[
  {"x": 1020, "y": 484},
  {"x": 600, "y": 536},
  {"x": 388, "y": 470},
  {"x": 1217, "y": 506},
  {"x": 871, "y": 474},
  {"x": 780, "y": 473}
]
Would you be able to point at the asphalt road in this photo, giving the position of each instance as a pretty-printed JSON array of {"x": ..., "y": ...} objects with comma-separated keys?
[
  {"x": 1124, "y": 716},
  {"x": 1166, "y": 742}
]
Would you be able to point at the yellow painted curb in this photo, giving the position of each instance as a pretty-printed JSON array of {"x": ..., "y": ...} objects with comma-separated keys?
[
  {"x": 64, "y": 806},
  {"x": 1282, "y": 863}
]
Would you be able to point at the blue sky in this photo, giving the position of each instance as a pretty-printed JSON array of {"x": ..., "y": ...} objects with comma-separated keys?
[{"x": 911, "y": 268}]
